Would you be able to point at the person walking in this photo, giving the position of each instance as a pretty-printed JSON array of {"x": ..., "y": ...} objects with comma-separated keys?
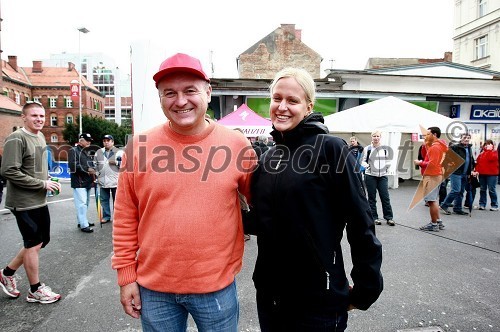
[
  {"x": 374, "y": 161},
  {"x": 487, "y": 167},
  {"x": 82, "y": 172},
  {"x": 25, "y": 167},
  {"x": 177, "y": 231},
  {"x": 459, "y": 178},
  {"x": 300, "y": 206},
  {"x": 432, "y": 171},
  {"x": 108, "y": 165}
]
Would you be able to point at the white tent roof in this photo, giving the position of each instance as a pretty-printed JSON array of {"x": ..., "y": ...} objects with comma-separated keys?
[{"x": 389, "y": 114}]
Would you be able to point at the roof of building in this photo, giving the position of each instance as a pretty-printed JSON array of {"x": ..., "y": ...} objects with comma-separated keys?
[
  {"x": 49, "y": 76},
  {"x": 270, "y": 40}
]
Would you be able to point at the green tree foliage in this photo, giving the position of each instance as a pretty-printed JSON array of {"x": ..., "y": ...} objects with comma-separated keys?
[{"x": 97, "y": 128}]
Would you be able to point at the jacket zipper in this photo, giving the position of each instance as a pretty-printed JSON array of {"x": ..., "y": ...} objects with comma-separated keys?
[{"x": 327, "y": 273}]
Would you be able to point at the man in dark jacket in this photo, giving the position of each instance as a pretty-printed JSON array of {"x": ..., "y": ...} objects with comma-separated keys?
[
  {"x": 82, "y": 172},
  {"x": 260, "y": 145},
  {"x": 459, "y": 178}
]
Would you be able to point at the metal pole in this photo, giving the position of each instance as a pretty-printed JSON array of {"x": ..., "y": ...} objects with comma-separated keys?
[
  {"x": 80, "y": 31},
  {"x": 79, "y": 84}
]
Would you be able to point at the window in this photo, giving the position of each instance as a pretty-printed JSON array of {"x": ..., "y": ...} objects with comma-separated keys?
[
  {"x": 482, "y": 7},
  {"x": 69, "y": 102},
  {"x": 26, "y": 98},
  {"x": 53, "y": 120},
  {"x": 18, "y": 98},
  {"x": 481, "y": 47},
  {"x": 69, "y": 118},
  {"x": 53, "y": 102},
  {"x": 53, "y": 138},
  {"x": 37, "y": 99}
]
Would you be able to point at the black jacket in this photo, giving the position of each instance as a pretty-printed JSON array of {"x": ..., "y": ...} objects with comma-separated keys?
[
  {"x": 79, "y": 162},
  {"x": 304, "y": 194},
  {"x": 459, "y": 149}
]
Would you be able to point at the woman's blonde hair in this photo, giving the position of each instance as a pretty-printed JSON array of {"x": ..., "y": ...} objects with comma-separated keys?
[{"x": 302, "y": 77}]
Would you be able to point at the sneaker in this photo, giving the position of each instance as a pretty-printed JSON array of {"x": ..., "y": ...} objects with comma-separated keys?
[
  {"x": 434, "y": 227},
  {"x": 461, "y": 212},
  {"x": 440, "y": 224},
  {"x": 481, "y": 208},
  {"x": 494, "y": 209},
  {"x": 43, "y": 295},
  {"x": 8, "y": 285},
  {"x": 391, "y": 222},
  {"x": 444, "y": 211},
  {"x": 378, "y": 222}
]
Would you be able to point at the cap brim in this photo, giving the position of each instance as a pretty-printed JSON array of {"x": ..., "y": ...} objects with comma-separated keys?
[{"x": 162, "y": 73}]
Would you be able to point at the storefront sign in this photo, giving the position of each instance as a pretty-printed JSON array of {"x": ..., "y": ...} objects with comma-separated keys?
[{"x": 485, "y": 112}]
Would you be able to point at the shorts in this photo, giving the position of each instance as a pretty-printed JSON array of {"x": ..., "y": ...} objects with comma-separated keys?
[
  {"x": 34, "y": 226},
  {"x": 431, "y": 187}
]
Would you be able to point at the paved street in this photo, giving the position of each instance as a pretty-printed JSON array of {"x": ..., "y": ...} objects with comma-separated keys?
[{"x": 447, "y": 279}]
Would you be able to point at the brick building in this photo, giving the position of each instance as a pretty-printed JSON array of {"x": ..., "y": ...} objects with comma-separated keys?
[
  {"x": 281, "y": 48},
  {"x": 51, "y": 87}
]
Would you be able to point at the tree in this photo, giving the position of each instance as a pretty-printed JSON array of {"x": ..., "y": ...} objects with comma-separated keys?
[{"x": 97, "y": 128}]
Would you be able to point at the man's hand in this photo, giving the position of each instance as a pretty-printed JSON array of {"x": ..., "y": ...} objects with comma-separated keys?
[
  {"x": 131, "y": 299},
  {"x": 52, "y": 185},
  {"x": 91, "y": 171}
]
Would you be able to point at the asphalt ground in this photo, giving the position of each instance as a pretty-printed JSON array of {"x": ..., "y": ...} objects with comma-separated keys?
[{"x": 445, "y": 281}]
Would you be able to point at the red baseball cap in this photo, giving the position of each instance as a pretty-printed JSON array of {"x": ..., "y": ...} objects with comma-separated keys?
[{"x": 180, "y": 63}]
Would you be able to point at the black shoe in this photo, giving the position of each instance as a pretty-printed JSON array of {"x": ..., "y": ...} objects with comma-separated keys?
[
  {"x": 91, "y": 224},
  {"x": 461, "y": 212},
  {"x": 87, "y": 230}
]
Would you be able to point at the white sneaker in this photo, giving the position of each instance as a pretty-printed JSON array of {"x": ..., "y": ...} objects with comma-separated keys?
[
  {"x": 8, "y": 285},
  {"x": 378, "y": 221},
  {"x": 43, "y": 295}
]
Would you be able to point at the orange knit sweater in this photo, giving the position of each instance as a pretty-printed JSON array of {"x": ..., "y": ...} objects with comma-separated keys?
[{"x": 177, "y": 221}]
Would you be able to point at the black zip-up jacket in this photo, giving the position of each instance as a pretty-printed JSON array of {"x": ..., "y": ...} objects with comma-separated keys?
[
  {"x": 459, "y": 149},
  {"x": 304, "y": 194},
  {"x": 79, "y": 163}
]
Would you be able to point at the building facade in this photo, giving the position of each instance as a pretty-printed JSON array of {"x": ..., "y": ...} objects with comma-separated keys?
[
  {"x": 476, "y": 40},
  {"x": 106, "y": 77},
  {"x": 49, "y": 86}
]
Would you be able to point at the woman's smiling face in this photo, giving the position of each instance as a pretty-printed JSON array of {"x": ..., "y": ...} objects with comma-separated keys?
[{"x": 289, "y": 105}]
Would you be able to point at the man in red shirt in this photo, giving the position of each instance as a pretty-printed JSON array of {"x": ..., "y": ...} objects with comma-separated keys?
[{"x": 432, "y": 171}]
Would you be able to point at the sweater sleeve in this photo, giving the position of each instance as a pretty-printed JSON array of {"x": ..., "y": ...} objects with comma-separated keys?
[{"x": 125, "y": 227}]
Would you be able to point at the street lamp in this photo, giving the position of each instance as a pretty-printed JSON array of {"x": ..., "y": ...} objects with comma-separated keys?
[{"x": 82, "y": 30}]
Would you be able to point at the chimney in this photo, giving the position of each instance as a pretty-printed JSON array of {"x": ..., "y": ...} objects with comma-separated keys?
[
  {"x": 37, "y": 66},
  {"x": 13, "y": 61},
  {"x": 290, "y": 28},
  {"x": 298, "y": 34},
  {"x": 448, "y": 56},
  {"x": 71, "y": 66}
]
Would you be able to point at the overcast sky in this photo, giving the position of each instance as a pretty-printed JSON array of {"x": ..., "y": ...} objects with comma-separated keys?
[{"x": 347, "y": 31}]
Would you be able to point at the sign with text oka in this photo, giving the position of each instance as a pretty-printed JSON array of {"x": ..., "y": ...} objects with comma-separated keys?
[{"x": 485, "y": 112}]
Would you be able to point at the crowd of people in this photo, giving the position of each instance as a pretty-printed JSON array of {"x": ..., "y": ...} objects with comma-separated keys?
[{"x": 289, "y": 194}]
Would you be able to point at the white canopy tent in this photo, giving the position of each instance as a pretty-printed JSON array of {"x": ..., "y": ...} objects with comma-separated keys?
[{"x": 400, "y": 123}]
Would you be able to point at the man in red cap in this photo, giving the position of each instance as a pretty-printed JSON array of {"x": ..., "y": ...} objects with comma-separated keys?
[{"x": 177, "y": 230}]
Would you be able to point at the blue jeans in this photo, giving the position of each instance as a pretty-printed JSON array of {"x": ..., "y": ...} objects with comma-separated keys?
[
  {"x": 380, "y": 184},
  {"x": 168, "y": 312},
  {"x": 456, "y": 195},
  {"x": 81, "y": 198},
  {"x": 488, "y": 182},
  {"x": 105, "y": 194}
]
